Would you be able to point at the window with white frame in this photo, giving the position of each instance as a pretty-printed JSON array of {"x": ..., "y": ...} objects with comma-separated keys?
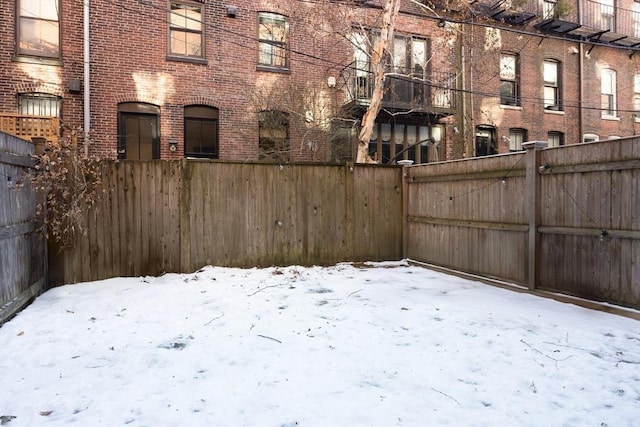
[
  {"x": 516, "y": 138},
  {"x": 509, "y": 79},
  {"x": 273, "y": 34},
  {"x": 608, "y": 92},
  {"x": 38, "y": 28},
  {"x": 636, "y": 19},
  {"x": 636, "y": 96},
  {"x": 549, "y": 9},
  {"x": 551, "y": 77},
  {"x": 186, "y": 35},
  {"x": 607, "y": 15},
  {"x": 555, "y": 139}
]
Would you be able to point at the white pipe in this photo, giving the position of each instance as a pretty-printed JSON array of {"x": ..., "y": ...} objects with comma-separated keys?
[{"x": 87, "y": 78}]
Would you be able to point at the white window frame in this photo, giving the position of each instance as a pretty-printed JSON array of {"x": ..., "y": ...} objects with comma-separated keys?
[
  {"x": 517, "y": 137},
  {"x": 555, "y": 139},
  {"x": 552, "y": 82},
  {"x": 636, "y": 97},
  {"x": 608, "y": 90},
  {"x": 509, "y": 75}
]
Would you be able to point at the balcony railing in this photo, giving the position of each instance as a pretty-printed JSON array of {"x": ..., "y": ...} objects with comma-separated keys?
[
  {"x": 604, "y": 16},
  {"x": 424, "y": 92},
  {"x": 585, "y": 20},
  {"x": 31, "y": 128}
]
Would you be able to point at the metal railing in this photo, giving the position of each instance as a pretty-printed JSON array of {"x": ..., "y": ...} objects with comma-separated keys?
[
  {"x": 604, "y": 16},
  {"x": 407, "y": 90}
]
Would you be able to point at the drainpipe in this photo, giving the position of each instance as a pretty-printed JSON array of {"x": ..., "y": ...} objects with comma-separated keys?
[
  {"x": 581, "y": 82},
  {"x": 87, "y": 78}
]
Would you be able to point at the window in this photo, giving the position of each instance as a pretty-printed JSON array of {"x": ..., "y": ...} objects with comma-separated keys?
[
  {"x": 138, "y": 131},
  {"x": 549, "y": 9},
  {"x": 590, "y": 137},
  {"x": 509, "y": 87},
  {"x": 39, "y": 104},
  {"x": 608, "y": 91},
  {"x": 607, "y": 15},
  {"x": 38, "y": 32},
  {"x": 636, "y": 19},
  {"x": 551, "y": 77},
  {"x": 201, "y": 131},
  {"x": 272, "y": 45},
  {"x": 555, "y": 139},
  {"x": 636, "y": 96},
  {"x": 273, "y": 131},
  {"x": 393, "y": 141},
  {"x": 516, "y": 138},
  {"x": 186, "y": 37},
  {"x": 486, "y": 144}
]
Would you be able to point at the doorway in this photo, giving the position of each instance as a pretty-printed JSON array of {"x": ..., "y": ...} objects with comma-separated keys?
[{"x": 138, "y": 136}]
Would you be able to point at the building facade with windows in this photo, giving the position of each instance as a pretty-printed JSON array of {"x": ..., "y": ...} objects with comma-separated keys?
[
  {"x": 561, "y": 71},
  {"x": 290, "y": 80},
  {"x": 244, "y": 80}
]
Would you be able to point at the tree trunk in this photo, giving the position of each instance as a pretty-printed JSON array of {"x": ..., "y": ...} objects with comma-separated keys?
[{"x": 380, "y": 48}]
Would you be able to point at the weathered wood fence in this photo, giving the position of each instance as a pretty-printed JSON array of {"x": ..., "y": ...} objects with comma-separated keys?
[
  {"x": 561, "y": 219},
  {"x": 177, "y": 216},
  {"x": 22, "y": 245}
]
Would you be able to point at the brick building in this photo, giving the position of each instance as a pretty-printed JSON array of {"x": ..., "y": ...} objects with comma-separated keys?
[
  {"x": 289, "y": 80},
  {"x": 562, "y": 71}
]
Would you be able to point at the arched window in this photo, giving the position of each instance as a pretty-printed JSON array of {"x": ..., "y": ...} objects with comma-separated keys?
[
  {"x": 201, "y": 131},
  {"x": 273, "y": 127}
]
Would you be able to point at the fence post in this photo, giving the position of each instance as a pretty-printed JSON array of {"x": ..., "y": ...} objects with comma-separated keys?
[{"x": 533, "y": 162}]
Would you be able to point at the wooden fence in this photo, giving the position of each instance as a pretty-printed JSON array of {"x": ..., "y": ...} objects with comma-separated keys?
[
  {"x": 22, "y": 245},
  {"x": 561, "y": 219},
  {"x": 177, "y": 216}
]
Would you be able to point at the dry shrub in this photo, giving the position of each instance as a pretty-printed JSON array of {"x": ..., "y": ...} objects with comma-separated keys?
[{"x": 69, "y": 184}]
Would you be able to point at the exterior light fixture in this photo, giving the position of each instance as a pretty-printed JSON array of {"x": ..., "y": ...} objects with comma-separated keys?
[
  {"x": 173, "y": 144},
  {"x": 231, "y": 11}
]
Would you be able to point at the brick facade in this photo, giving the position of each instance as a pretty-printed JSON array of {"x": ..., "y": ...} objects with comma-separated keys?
[{"x": 130, "y": 63}]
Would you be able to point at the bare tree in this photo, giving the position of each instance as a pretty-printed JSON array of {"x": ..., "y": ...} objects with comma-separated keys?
[{"x": 380, "y": 49}]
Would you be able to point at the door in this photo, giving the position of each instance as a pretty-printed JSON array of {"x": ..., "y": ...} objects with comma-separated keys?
[
  {"x": 138, "y": 132},
  {"x": 486, "y": 141}
]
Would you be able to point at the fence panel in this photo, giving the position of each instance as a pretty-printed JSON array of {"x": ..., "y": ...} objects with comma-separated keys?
[
  {"x": 176, "y": 216},
  {"x": 22, "y": 245},
  {"x": 470, "y": 215},
  {"x": 585, "y": 211},
  {"x": 590, "y": 221}
]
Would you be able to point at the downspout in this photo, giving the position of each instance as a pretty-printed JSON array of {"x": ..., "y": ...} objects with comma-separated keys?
[
  {"x": 581, "y": 83},
  {"x": 87, "y": 78}
]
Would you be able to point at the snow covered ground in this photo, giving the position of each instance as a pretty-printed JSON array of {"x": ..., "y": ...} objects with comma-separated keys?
[{"x": 385, "y": 344}]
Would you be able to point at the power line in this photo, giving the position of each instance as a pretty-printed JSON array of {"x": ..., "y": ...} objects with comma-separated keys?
[{"x": 316, "y": 59}]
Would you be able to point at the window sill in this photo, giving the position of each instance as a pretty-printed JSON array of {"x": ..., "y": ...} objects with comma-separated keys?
[
  {"x": 511, "y": 107},
  {"x": 556, "y": 112},
  {"x": 612, "y": 118},
  {"x": 37, "y": 60},
  {"x": 273, "y": 69},
  {"x": 190, "y": 60}
]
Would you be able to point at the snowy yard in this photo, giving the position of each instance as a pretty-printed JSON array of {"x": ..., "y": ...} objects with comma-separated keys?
[{"x": 384, "y": 344}]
